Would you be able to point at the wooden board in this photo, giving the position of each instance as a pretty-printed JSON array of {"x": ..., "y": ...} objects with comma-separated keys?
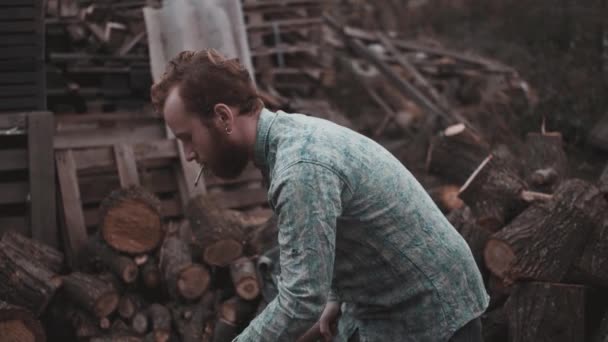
[
  {"x": 127, "y": 169},
  {"x": 41, "y": 127}
]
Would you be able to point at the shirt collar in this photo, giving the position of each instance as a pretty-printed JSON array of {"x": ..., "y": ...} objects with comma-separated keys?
[{"x": 261, "y": 139}]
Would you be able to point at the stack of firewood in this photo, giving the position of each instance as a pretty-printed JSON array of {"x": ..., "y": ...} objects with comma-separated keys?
[
  {"x": 139, "y": 279},
  {"x": 97, "y": 55},
  {"x": 537, "y": 234}
]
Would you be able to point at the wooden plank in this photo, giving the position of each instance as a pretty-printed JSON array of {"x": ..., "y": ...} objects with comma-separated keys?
[
  {"x": 22, "y": 51},
  {"x": 101, "y": 157},
  {"x": 17, "y": 192},
  {"x": 242, "y": 198},
  {"x": 74, "y": 232},
  {"x": 310, "y": 49},
  {"x": 18, "y": 90},
  {"x": 13, "y": 160},
  {"x": 127, "y": 168},
  {"x": 285, "y": 24},
  {"x": 12, "y": 13},
  {"x": 7, "y": 3},
  {"x": 21, "y": 103},
  {"x": 18, "y": 77},
  {"x": 41, "y": 127},
  {"x": 18, "y": 26},
  {"x": 107, "y": 137},
  {"x": 18, "y": 224}
]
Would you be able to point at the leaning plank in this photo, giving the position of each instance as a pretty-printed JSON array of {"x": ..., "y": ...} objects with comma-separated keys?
[
  {"x": 127, "y": 168},
  {"x": 75, "y": 234},
  {"x": 41, "y": 128}
]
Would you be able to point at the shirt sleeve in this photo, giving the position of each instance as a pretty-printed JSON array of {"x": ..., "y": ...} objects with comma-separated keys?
[{"x": 307, "y": 199}]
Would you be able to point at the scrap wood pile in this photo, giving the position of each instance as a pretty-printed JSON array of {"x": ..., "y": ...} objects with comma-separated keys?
[
  {"x": 97, "y": 55},
  {"x": 137, "y": 279}
]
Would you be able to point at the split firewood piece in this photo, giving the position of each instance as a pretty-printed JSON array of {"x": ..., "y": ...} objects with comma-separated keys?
[
  {"x": 129, "y": 304},
  {"x": 493, "y": 192},
  {"x": 455, "y": 153},
  {"x": 220, "y": 239},
  {"x": 47, "y": 256},
  {"x": 116, "y": 337},
  {"x": 245, "y": 278},
  {"x": 495, "y": 325},
  {"x": 190, "y": 319},
  {"x": 140, "y": 323},
  {"x": 150, "y": 274},
  {"x": 122, "y": 266},
  {"x": 546, "y": 312},
  {"x": 160, "y": 319},
  {"x": 224, "y": 331},
  {"x": 183, "y": 278},
  {"x": 131, "y": 220},
  {"x": 544, "y": 241},
  {"x": 92, "y": 294},
  {"x": 593, "y": 263},
  {"x": 84, "y": 324},
  {"x": 499, "y": 291},
  {"x": 446, "y": 197},
  {"x": 546, "y": 164},
  {"x": 19, "y": 324},
  {"x": 238, "y": 311},
  {"x": 476, "y": 236},
  {"x": 25, "y": 283},
  {"x": 111, "y": 279}
]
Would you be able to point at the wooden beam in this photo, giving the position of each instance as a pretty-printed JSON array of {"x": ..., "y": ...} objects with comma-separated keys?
[
  {"x": 74, "y": 232},
  {"x": 127, "y": 168},
  {"x": 13, "y": 160},
  {"x": 107, "y": 137},
  {"x": 16, "y": 192},
  {"x": 102, "y": 157},
  {"x": 41, "y": 127}
]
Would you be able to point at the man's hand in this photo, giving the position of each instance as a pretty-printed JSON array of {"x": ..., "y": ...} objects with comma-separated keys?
[{"x": 329, "y": 320}]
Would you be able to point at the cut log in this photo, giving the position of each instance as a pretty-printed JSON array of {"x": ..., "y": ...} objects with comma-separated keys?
[
  {"x": 84, "y": 324},
  {"x": 131, "y": 220},
  {"x": 140, "y": 323},
  {"x": 546, "y": 164},
  {"x": 150, "y": 274},
  {"x": 456, "y": 153},
  {"x": 220, "y": 238},
  {"x": 546, "y": 312},
  {"x": 24, "y": 283},
  {"x": 129, "y": 304},
  {"x": 92, "y": 294},
  {"x": 493, "y": 192},
  {"x": 160, "y": 319},
  {"x": 224, "y": 331},
  {"x": 190, "y": 320},
  {"x": 116, "y": 338},
  {"x": 112, "y": 280},
  {"x": 546, "y": 249},
  {"x": 476, "y": 236},
  {"x": 183, "y": 278},
  {"x": 19, "y": 324},
  {"x": 100, "y": 253},
  {"x": 446, "y": 197},
  {"x": 593, "y": 263},
  {"x": 245, "y": 279},
  {"x": 238, "y": 311},
  {"x": 264, "y": 237},
  {"x": 48, "y": 257},
  {"x": 498, "y": 290},
  {"x": 495, "y": 325}
]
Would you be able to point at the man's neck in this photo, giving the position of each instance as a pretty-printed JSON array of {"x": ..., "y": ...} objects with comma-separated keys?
[{"x": 251, "y": 131}]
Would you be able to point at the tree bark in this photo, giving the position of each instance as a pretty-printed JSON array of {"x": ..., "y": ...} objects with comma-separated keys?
[
  {"x": 455, "y": 154},
  {"x": 546, "y": 312},
  {"x": 19, "y": 324},
  {"x": 129, "y": 304},
  {"x": 476, "y": 236},
  {"x": 224, "y": 331},
  {"x": 546, "y": 163},
  {"x": 24, "y": 283},
  {"x": 603, "y": 182},
  {"x": 219, "y": 238},
  {"x": 100, "y": 253},
  {"x": 95, "y": 296},
  {"x": 560, "y": 237},
  {"x": 238, "y": 311},
  {"x": 245, "y": 278},
  {"x": 191, "y": 320},
  {"x": 183, "y": 278},
  {"x": 495, "y": 325},
  {"x": 593, "y": 263},
  {"x": 48, "y": 257},
  {"x": 131, "y": 221},
  {"x": 493, "y": 192}
]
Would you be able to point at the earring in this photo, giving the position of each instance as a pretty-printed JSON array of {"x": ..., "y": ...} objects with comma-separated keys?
[{"x": 228, "y": 130}]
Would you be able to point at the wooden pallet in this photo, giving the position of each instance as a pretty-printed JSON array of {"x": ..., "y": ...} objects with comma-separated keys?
[
  {"x": 96, "y": 154},
  {"x": 27, "y": 175}
]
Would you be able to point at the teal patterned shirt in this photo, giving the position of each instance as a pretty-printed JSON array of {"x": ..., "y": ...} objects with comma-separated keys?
[{"x": 353, "y": 221}]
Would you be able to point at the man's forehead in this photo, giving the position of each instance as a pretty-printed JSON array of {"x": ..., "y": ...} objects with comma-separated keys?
[{"x": 174, "y": 109}]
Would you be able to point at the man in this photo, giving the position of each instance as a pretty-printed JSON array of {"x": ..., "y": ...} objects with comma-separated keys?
[{"x": 355, "y": 227}]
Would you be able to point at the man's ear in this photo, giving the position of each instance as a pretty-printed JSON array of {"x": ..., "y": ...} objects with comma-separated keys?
[{"x": 224, "y": 116}]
